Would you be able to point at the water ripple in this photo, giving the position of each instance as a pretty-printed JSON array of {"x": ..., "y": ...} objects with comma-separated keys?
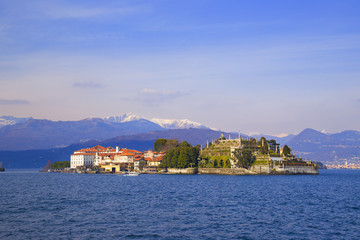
[{"x": 75, "y": 206}]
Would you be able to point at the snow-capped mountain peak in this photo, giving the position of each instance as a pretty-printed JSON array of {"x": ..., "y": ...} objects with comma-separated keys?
[
  {"x": 177, "y": 124},
  {"x": 165, "y": 123},
  {"x": 10, "y": 120},
  {"x": 127, "y": 117}
]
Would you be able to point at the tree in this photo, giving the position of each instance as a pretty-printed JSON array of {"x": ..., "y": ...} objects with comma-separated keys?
[
  {"x": 227, "y": 164},
  {"x": 244, "y": 158},
  {"x": 142, "y": 164},
  {"x": 263, "y": 146},
  {"x": 215, "y": 163},
  {"x": 286, "y": 150},
  {"x": 47, "y": 166},
  {"x": 60, "y": 164},
  {"x": 184, "y": 144},
  {"x": 182, "y": 156},
  {"x": 175, "y": 157},
  {"x": 159, "y": 144},
  {"x": 164, "y": 145},
  {"x": 221, "y": 163}
]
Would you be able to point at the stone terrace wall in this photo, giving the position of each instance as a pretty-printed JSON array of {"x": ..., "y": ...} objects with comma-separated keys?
[
  {"x": 284, "y": 169},
  {"x": 262, "y": 169},
  {"x": 181, "y": 171},
  {"x": 304, "y": 170},
  {"x": 225, "y": 171}
]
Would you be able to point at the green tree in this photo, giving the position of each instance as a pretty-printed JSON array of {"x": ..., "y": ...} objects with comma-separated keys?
[
  {"x": 263, "y": 146},
  {"x": 286, "y": 150},
  {"x": 142, "y": 165},
  {"x": 164, "y": 145},
  {"x": 227, "y": 164},
  {"x": 175, "y": 157},
  {"x": 221, "y": 163},
  {"x": 272, "y": 141},
  {"x": 184, "y": 144},
  {"x": 60, "y": 164},
  {"x": 244, "y": 158},
  {"x": 159, "y": 144},
  {"x": 182, "y": 156},
  {"x": 215, "y": 163}
]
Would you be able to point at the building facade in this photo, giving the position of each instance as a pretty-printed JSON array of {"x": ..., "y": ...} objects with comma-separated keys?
[{"x": 81, "y": 160}]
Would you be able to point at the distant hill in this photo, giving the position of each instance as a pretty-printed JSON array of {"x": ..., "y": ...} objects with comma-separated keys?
[
  {"x": 328, "y": 148},
  {"x": 44, "y": 134},
  {"x": 141, "y": 142},
  {"x": 29, "y": 133},
  {"x": 10, "y": 120},
  {"x": 281, "y": 140}
]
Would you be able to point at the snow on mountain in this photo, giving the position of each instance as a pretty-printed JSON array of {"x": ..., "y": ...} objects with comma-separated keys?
[
  {"x": 9, "y": 120},
  {"x": 177, "y": 124},
  {"x": 165, "y": 123},
  {"x": 127, "y": 117}
]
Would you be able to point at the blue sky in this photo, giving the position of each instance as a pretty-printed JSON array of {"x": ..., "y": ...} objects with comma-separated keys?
[{"x": 257, "y": 66}]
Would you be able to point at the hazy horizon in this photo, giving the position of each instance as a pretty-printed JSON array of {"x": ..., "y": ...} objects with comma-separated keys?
[{"x": 256, "y": 66}]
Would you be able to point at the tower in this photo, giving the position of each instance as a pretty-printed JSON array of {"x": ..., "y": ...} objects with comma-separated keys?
[{"x": 239, "y": 139}]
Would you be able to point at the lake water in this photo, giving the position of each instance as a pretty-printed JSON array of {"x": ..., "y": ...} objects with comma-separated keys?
[{"x": 80, "y": 206}]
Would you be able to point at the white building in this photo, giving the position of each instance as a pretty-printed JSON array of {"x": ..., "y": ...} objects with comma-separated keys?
[
  {"x": 149, "y": 154},
  {"x": 124, "y": 158},
  {"x": 81, "y": 159}
]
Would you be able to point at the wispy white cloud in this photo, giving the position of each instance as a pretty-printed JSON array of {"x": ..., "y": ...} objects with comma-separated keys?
[
  {"x": 150, "y": 96},
  {"x": 72, "y": 11},
  {"x": 13, "y": 101},
  {"x": 88, "y": 85},
  {"x": 78, "y": 12},
  {"x": 155, "y": 94},
  {"x": 165, "y": 26}
]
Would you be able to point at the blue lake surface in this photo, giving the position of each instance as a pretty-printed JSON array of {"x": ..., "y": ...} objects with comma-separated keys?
[{"x": 83, "y": 206}]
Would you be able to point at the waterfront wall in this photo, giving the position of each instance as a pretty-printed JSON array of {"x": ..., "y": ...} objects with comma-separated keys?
[
  {"x": 181, "y": 171},
  {"x": 284, "y": 169},
  {"x": 303, "y": 170},
  {"x": 265, "y": 169},
  {"x": 261, "y": 169},
  {"x": 225, "y": 171}
]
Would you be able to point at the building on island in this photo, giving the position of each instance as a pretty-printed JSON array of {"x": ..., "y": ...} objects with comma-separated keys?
[
  {"x": 114, "y": 159},
  {"x": 81, "y": 159},
  {"x": 262, "y": 156}
]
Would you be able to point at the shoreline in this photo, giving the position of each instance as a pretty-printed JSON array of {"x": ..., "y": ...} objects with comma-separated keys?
[{"x": 207, "y": 171}]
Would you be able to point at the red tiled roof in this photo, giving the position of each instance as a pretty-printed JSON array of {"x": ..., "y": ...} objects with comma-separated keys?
[{"x": 157, "y": 159}]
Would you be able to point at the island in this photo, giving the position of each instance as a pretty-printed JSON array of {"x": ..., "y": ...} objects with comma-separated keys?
[
  {"x": 251, "y": 156},
  {"x": 238, "y": 156}
]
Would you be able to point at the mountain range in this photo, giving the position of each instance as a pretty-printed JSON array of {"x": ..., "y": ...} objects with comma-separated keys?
[
  {"x": 29, "y": 142},
  {"x": 164, "y": 123},
  {"x": 30, "y": 133},
  {"x": 10, "y": 120},
  {"x": 42, "y": 134},
  {"x": 329, "y": 148}
]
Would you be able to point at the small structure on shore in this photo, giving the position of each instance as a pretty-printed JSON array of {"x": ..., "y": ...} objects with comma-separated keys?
[
  {"x": 2, "y": 169},
  {"x": 47, "y": 167}
]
